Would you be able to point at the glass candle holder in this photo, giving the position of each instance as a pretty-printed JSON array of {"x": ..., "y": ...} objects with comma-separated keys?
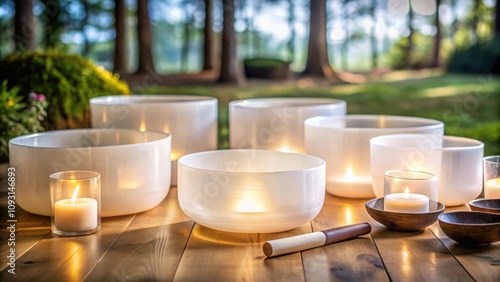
[
  {"x": 134, "y": 166},
  {"x": 76, "y": 202},
  {"x": 456, "y": 161},
  {"x": 419, "y": 182},
  {"x": 276, "y": 123},
  {"x": 251, "y": 191},
  {"x": 191, "y": 120},
  {"x": 344, "y": 143},
  {"x": 491, "y": 165}
]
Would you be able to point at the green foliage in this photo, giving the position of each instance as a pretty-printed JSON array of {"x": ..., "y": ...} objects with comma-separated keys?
[
  {"x": 480, "y": 58},
  {"x": 398, "y": 54},
  {"x": 68, "y": 82},
  {"x": 18, "y": 118}
]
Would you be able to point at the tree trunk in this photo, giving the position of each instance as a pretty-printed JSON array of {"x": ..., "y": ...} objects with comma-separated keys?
[
  {"x": 373, "y": 39},
  {"x": 144, "y": 37},
  {"x": 24, "y": 25},
  {"x": 317, "y": 54},
  {"x": 497, "y": 20},
  {"x": 186, "y": 42},
  {"x": 230, "y": 68},
  {"x": 208, "y": 38},
  {"x": 409, "y": 47},
  {"x": 475, "y": 20},
  {"x": 86, "y": 43},
  {"x": 291, "y": 22},
  {"x": 52, "y": 26},
  {"x": 120, "y": 65},
  {"x": 437, "y": 38}
]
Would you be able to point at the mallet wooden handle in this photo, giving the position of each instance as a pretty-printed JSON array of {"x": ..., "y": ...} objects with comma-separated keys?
[{"x": 316, "y": 239}]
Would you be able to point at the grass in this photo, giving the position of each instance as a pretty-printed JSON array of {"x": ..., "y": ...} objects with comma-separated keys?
[{"x": 468, "y": 105}]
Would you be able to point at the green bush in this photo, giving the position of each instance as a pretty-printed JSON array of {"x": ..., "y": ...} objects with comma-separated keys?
[
  {"x": 480, "y": 58},
  {"x": 68, "y": 82},
  {"x": 18, "y": 118}
]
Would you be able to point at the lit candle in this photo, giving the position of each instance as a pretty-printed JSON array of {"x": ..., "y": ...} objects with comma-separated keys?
[
  {"x": 75, "y": 214},
  {"x": 250, "y": 203},
  {"x": 406, "y": 202},
  {"x": 492, "y": 189},
  {"x": 351, "y": 186}
]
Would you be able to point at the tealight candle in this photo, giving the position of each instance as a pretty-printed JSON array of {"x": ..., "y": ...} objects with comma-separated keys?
[
  {"x": 406, "y": 202},
  {"x": 76, "y": 202},
  {"x": 75, "y": 214},
  {"x": 396, "y": 181},
  {"x": 492, "y": 189}
]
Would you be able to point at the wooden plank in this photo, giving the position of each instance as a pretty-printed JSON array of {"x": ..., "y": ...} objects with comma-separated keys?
[
  {"x": 406, "y": 256},
  {"x": 66, "y": 258},
  {"x": 353, "y": 260},
  {"x": 482, "y": 263},
  {"x": 29, "y": 229},
  {"x": 151, "y": 247},
  {"x": 213, "y": 255}
]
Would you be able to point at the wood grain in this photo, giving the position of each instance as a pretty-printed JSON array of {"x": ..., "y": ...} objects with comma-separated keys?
[
  {"x": 67, "y": 258},
  {"x": 353, "y": 260},
  {"x": 482, "y": 263},
  {"x": 151, "y": 247},
  {"x": 213, "y": 255}
]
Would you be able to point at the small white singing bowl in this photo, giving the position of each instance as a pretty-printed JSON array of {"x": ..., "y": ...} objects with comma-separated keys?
[
  {"x": 251, "y": 191},
  {"x": 134, "y": 166},
  {"x": 344, "y": 143},
  {"x": 191, "y": 120},
  {"x": 276, "y": 123}
]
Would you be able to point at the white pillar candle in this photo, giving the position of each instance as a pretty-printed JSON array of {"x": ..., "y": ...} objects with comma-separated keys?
[
  {"x": 77, "y": 215},
  {"x": 406, "y": 202},
  {"x": 492, "y": 189}
]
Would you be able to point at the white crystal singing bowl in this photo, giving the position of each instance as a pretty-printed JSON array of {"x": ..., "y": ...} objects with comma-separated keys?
[
  {"x": 344, "y": 143},
  {"x": 251, "y": 191},
  {"x": 276, "y": 123},
  {"x": 191, "y": 120},
  {"x": 456, "y": 161},
  {"x": 134, "y": 166}
]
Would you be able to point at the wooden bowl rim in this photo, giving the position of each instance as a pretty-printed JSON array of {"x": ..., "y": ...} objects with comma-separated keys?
[{"x": 478, "y": 213}]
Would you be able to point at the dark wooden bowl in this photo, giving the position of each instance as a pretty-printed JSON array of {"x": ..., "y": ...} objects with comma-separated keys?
[
  {"x": 470, "y": 227},
  {"x": 485, "y": 205},
  {"x": 403, "y": 221}
]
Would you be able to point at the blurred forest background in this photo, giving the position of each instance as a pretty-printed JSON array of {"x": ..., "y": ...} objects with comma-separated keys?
[
  {"x": 431, "y": 58},
  {"x": 361, "y": 35}
]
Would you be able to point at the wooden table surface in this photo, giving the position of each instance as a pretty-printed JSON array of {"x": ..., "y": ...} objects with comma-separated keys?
[{"x": 163, "y": 244}]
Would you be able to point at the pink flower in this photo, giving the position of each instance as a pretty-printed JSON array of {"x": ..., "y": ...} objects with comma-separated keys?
[{"x": 40, "y": 97}]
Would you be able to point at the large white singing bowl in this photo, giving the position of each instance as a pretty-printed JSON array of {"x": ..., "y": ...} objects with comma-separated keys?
[
  {"x": 276, "y": 123},
  {"x": 344, "y": 142},
  {"x": 456, "y": 161},
  {"x": 134, "y": 166},
  {"x": 191, "y": 120},
  {"x": 251, "y": 191}
]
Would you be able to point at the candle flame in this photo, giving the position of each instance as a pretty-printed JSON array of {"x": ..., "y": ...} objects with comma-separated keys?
[
  {"x": 407, "y": 193},
  {"x": 75, "y": 194},
  {"x": 348, "y": 173},
  {"x": 250, "y": 203},
  {"x": 285, "y": 149},
  {"x": 174, "y": 156}
]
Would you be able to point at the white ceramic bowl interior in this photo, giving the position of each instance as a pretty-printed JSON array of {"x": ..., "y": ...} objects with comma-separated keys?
[
  {"x": 134, "y": 166},
  {"x": 456, "y": 161},
  {"x": 191, "y": 120},
  {"x": 276, "y": 123},
  {"x": 344, "y": 143},
  {"x": 251, "y": 190}
]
